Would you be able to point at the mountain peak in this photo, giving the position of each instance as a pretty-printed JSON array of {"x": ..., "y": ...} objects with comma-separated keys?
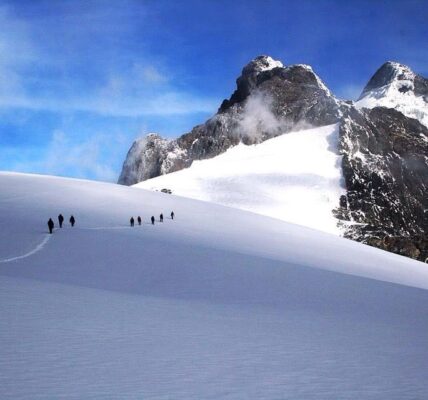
[
  {"x": 391, "y": 72},
  {"x": 260, "y": 64},
  {"x": 395, "y": 85}
]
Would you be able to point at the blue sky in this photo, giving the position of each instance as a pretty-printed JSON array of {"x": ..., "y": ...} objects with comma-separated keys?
[{"x": 80, "y": 80}]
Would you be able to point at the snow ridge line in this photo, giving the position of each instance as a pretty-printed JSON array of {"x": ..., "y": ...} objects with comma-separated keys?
[{"x": 30, "y": 253}]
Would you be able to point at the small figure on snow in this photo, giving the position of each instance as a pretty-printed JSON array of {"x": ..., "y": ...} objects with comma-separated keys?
[
  {"x": 161, "y": 218},
  {"x": 50, "y": 225},
  {"x": 153, "y": 220},
  {"x": 72, "y": 221},
  {"x": 60, "y": 220},
  {"x": 139, "y": 220},
  {"x": 132, "y": 221},
  {"x": 172, "y": 214}
]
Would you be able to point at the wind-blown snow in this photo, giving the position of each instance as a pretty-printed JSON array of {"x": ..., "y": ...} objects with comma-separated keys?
[
  {"x": 217, "y": 303},
  {"x": 398, "y": 94},
  {"x": 295, "y": 177}
]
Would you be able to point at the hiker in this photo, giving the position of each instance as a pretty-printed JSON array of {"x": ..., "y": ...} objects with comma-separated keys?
[
  {"x": 172, "y": 214},
  {"x": 72, "y": 221},
  {"x": 60, "y": 220},
  {"x": 132, "y": 221},
  {"x": 139, "y": 220},
  {"x": 161, "y": 218},
  {"x": 153, "y": 220},
  {"x": 50, "y": 225}
]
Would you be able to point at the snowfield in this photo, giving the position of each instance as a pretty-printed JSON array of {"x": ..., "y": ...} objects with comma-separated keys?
[
  {"x": 274, "y": 178},
  {"x": 218, "y": 303}
]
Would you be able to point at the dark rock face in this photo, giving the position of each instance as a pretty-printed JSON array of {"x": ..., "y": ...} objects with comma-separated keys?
[
  {"x": 150, "y": 157},
  {"x": 385, "y": 166},
  {"x": 270, "y": 100},
  {"x": 296, "y": 93},
  {"x": 413, "y": 246}
]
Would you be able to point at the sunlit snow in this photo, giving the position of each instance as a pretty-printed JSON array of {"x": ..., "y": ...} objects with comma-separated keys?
[
  {"x": 296, "y": 177},
  {"x": 398, "y": 94},
  {"x": 218, "y": 303}
]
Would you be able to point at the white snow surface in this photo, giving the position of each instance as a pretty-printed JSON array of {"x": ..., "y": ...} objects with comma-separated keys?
[
  {"x": 267, "y": 63},
  {"x": 218, "y": 303},
  {"x": 296, "y": 177},
  {"x": 390, "y": 96}
]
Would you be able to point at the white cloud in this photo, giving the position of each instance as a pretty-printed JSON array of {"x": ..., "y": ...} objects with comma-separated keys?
[
  {"x": 111, "y": 100},
  {"x": 149, "y": 74},
  {"x": 98, "y": 157},
  {"x": 257, "y": 119},
  {"x": 86, "y": 159},
  {"x": 140, "y": 89},
  {"x": 16, "y": 51},
  {"x": 143, "y": 90}
]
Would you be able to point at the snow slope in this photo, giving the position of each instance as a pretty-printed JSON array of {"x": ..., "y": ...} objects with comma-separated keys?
[
  {"x": 295, "y": 177},
  {"x": 218, "y": 303}
]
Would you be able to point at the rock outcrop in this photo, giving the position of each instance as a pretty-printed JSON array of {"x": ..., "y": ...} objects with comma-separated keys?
[
  {"x": 385, "y": 166},
  {"x": 149, "y": 157}
]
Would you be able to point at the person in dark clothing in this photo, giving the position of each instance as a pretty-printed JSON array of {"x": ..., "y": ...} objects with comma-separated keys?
[
  {"x": 72, "y": 221},
  {"x": 161, "y": 218},
  {"x": 172, "y": 214},
  {"x": 50, "y": 225},
  {"x": 132, "y": 221},
  {"x": 153, "y": 220},
  {"x": 60, "y": 220},
  {"x": 139, "y": 220}
]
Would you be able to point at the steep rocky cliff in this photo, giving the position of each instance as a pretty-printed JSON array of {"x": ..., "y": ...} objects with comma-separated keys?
[{"x": 385, "y": 165}]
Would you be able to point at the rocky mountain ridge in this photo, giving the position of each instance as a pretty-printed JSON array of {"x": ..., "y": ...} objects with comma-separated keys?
[
  {"x": 270, "y": 100},
  {"x": 386, "y": 175},
  {"x": 383, "y": 142}
]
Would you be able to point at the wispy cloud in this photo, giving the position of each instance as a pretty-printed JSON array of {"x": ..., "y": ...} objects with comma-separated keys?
[
  {"x": 62, "y": 156},
  {"x": 150, "y": 74},
  {"x": 349, "y": 92},
  {"x": 108, "y": 102},
  {"x": 65, "y": 157},
  {"x": 141, "y": 86}
]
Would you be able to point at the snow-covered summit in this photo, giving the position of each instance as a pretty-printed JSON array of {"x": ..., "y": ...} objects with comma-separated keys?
[
  {"x": 395, "y": 85},
  {"x": 262, "y": 63},
  {"x": 391, "y": 73}
]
